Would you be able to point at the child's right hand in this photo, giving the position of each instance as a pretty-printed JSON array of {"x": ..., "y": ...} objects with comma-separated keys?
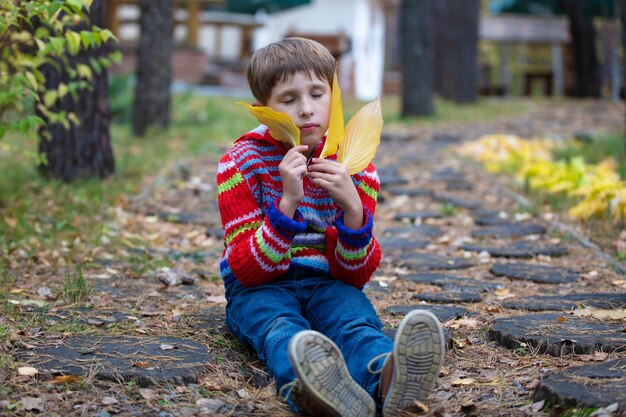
[{"x": 292, "y": 170}]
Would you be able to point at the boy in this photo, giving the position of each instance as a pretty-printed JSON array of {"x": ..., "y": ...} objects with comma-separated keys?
[{"x": 299, "y": 248}]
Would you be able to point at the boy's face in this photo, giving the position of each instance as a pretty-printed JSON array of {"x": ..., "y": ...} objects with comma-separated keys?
[{"x": 306, "y": 99}]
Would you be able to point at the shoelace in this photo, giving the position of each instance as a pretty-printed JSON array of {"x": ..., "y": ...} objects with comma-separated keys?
[
  {"x": 374, "y": 360},
  {"x": 286, "y": 390}
]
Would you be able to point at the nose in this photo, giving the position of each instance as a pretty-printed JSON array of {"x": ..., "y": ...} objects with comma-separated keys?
[{"x": 306, "y": 109}]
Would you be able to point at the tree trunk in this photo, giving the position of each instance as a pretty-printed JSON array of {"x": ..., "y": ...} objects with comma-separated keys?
[
  {"x": 85, "y": 149},
  {"x": 455, "y": 38},
  {"x": 586, "y": 67},
  {"x": 154, "y": 66},
  {"x": 622, "y": 14},
  {"x": 416, "y": 57}
]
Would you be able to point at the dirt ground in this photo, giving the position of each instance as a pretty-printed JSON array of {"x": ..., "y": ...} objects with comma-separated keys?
[{"x": 175, "y": 220}]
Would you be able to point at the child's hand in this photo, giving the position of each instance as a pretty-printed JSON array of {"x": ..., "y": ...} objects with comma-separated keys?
[
  {"x": 335, "y": 178},
  {"x": 292, "y": 170}
]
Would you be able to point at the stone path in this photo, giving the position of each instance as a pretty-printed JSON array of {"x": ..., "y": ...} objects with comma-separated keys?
[{"x": 506, "y": 284}]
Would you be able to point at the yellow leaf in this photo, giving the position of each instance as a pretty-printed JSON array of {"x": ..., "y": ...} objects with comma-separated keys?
[
  {"x": 32, "y": 80},
  {"x": 281, "y": 125},
  {"x": 336, "y": 131},
  {"x": 362, "y": 138}
]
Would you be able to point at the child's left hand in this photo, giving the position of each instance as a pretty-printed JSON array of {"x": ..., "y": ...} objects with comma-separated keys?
[{"x": 335, "y": 178}]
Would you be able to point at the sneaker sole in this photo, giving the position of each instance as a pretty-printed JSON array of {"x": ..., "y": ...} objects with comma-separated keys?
[
  {"x": 418, "y": 356},
  {"x": 321, "y": 369}
]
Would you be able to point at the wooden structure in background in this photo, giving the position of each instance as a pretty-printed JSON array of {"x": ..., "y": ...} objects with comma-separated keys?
[
  {"x": 507, "y": 30},
  {"x": 192, "y": 23}
]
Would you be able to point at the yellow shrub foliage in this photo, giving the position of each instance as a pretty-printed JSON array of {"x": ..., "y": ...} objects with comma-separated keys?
[{"x": 597, "y": 189}]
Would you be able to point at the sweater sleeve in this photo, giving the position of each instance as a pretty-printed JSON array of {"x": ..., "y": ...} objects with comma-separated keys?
[
  {"x": 354, "y": 255},
  {"x": 257, "y": 246}
]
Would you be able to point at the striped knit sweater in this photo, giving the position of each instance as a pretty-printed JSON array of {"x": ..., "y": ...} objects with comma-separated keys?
[{"x": 261, "y": 242}]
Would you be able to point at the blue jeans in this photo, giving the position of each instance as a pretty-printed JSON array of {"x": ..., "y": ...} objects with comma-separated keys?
[{"x": 265, "y": 318}]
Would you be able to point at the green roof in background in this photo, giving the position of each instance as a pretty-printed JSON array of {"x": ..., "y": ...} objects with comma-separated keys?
[
  {"x": 606, "y": 8},
  {"x": 270, "y": 6}
]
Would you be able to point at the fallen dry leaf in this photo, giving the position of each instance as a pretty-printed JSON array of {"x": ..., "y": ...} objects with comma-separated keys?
[
  {"x": 596, "y": 357},
  {"x": 602, "y": 314},
  {"x": 32, "y": 403},
  {"x": 421, "y": 407},
  {"x": 144, "y": 365},
  {"x": 109, "y": 401},
  {"x": 492, "y": 309},
  {"x": 27, "y": 371},
  {"x": 165, "y": 346},
  {"x": 465, "y": 322},
  {"x": 463, "y": 381},
  {"x": 65, "y": 379},
  {"x": 147, "y": 393},
  {"x": 216, "y": 299}
]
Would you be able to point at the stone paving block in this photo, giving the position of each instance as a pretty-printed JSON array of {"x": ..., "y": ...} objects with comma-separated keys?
[
  {"x": 145, "y": 360},
  {"x": 419, "y": 214},
  {"x": 388, "y": 136},
  {"x": 86, "y": 316},
  {"x": 491, "y": 220},
  {"x": 425, "y": 262},
  {"x": 212, "y": 320},
  {"x": 389, "y": 243},
  {"x": 459, "y": 185},
  {"x": 446, "y": 174},
  {"x": 449, "y": 297},
  {"x": 409, "y": 191},
  {"x": 452, "y": 282},
  {"x": 508, "y": 230},
  {"x": 412, "y": 230},
  {"x": 532, "y": 272},
  {"x": 182, "y": 218},
  {"x": 214, "y": 232},
  {"x": 388, "y": 180},
  {"x": 557, "y": 334},
  {"x": 569, "y": 302},
  {"x": 447, "y": 138},
  {"x": 443, "y": 313},
  {"x": 458, "y": 202},
  {"x": 390, "y": 175},
  {"x": 589, "y": 386},
  {"x": 518, "y": 249}
]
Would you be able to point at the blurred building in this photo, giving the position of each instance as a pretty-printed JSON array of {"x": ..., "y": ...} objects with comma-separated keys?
[{"x": 214, "y": 45}]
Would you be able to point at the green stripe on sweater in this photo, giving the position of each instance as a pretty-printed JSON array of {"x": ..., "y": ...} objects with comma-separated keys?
[
  {"x": 248, "y": 226},
  {"x": 360, "y": 254},
  {"x": 369, "y": 191},
  {"x": 267, "y": 251},
  {"x": 230, "y": 183}
]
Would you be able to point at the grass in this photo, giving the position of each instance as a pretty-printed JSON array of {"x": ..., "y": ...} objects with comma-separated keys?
[
  {"x": 445, "y": 111},
  {"x": 75, "y": 288},
  {"x": 596, "y": 150}
]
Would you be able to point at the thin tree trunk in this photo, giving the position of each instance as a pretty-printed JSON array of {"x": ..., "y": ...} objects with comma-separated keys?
[
  {"x": 622, "y": 14},
  {"x": 85, "y": 149},
  {"x": 455, "y": 39},
  {"x": 154, "y": 66},
  {"x": 416, "y": 58},
  {"x": 586, "y": 67}
]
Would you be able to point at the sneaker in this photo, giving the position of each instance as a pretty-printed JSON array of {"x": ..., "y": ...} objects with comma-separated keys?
[
  {"x": 324, "y": 385},
  {"x": 411, "y": 369}
]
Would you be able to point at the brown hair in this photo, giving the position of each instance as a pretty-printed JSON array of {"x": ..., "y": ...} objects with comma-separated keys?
[{"x": 280, "y": 60}]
